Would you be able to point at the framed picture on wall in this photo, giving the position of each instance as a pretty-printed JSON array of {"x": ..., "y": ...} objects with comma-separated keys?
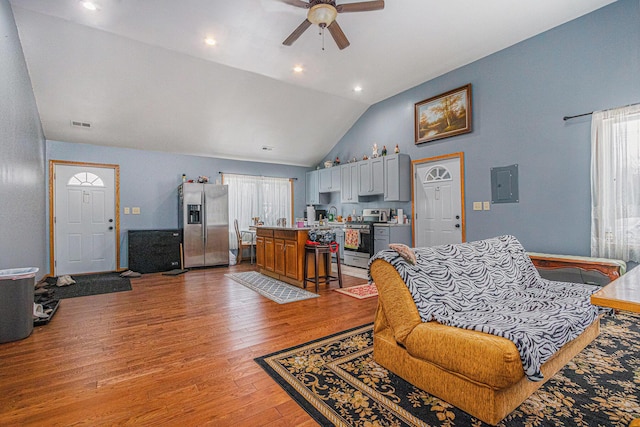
[{"x": 445, "y": 115}]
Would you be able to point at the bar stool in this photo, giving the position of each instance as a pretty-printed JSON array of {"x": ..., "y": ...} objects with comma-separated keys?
[{"x": 316, "y": 251}]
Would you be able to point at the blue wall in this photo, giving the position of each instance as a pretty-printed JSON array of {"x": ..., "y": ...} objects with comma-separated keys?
[
  {"x": 520, "y": 96},
  {"x": 149, "y": 180},
  {"x": 22, "y": 167}
]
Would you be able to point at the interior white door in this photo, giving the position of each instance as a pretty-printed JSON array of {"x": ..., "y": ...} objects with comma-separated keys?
[
  {"x": 438, "y": 202},
  {"x": 84, "y": 219}
]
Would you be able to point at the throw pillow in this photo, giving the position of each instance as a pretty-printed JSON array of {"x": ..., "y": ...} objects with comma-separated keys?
[{"x": 405, "y": 252}]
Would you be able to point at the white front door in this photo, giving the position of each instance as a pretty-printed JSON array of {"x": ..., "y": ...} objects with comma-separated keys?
[
  {"x": 84, "y": 219},
  {"x": 438, "y": 201}
]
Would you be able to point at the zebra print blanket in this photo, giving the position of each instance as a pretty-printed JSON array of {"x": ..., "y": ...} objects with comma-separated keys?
[{"x": 492, "y": 286}]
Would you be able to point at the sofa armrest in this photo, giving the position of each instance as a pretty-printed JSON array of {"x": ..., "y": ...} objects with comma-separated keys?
[{"x": 395, "y": 299}]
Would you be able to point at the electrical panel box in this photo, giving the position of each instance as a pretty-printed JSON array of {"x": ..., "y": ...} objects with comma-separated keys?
[{"x": 504, "y": 184}]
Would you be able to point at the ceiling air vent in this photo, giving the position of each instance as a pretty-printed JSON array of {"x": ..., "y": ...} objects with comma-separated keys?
[
  {"x": 82, "y": 125},
  {"x": 267, "y": 148}
]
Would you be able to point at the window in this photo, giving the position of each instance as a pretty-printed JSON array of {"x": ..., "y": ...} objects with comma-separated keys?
[
  {"x": 256, "y": 196},
  {"x": 437, "y": 173},
  {"x": 86, "y": 179},
  {"x": 615, "y": 183}
]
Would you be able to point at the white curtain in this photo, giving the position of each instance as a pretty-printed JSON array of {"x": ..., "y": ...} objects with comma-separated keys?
[
  {"x": 256, "y": 196},
  {"x": 615, "y": 183}
]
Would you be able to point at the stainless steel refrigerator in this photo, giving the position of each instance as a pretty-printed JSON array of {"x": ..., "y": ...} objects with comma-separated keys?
[{"x": 204, "y": 219}]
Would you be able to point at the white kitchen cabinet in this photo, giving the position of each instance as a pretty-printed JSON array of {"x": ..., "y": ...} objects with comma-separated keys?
[
  {"x": 312, "y": 193},
  {"x": 397, "y": 178},
  {"x": 349, "y": 183},
  {"x": 371, "y": 177},
  {"x": 383, "y": 235},
  {"x": 329, "y": 180}
]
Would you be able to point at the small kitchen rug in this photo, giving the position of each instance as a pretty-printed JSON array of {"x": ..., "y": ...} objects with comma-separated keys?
[
  {"x": 273, "y": 289},
  {"x": 367, "y": 290}
]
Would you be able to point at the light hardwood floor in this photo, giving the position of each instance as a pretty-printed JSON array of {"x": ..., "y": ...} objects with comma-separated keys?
[{"x": 173, "y": 351}]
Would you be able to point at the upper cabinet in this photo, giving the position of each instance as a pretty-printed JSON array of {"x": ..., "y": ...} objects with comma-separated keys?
[
  {"x": 371, "y": 177},
  {"x": 349, "y": 183},
  {"x": 312, "y": 190},
  {"x": 397, "y": 178},
  {"x": 329, "y": 180}
]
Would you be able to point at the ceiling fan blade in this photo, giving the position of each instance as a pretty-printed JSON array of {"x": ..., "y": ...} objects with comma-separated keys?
[
  {"x": 297, "y": 3},
  {"x": 297, "y": 32},
  {"x": 338, "y": 35},
  {"x": 363, "y": 6}
]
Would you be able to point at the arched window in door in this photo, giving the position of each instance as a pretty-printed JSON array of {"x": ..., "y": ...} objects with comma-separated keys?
[
  {"x": 437, "y": 173},
  {"x": 86, "y": 179}
]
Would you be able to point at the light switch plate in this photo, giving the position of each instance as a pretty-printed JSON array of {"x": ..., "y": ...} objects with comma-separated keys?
[
  {"x": 477, "y": 206},
  {"x": 127, "y": 211},
  {"x": 487, "y": 206},
  {"x": 135, "y": 211}
]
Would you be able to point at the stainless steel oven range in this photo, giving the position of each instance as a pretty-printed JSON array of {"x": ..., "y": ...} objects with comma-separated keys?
[
  {"x": 358, "y": 246},
  {"x": 358, "y": 237}
]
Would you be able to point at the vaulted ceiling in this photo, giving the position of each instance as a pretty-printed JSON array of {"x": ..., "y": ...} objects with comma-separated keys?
[{"x": 140, "y": 73}]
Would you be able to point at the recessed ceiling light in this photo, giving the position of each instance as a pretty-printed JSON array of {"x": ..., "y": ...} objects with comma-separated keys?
[
  {"x": 298, "y": 69},
  {"x": 89, "y": 5},
  {"x": 210, "y": 41},
  {"x": 357, "y": 89}
]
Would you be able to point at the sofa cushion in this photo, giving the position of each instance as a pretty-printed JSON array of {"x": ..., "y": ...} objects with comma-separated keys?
[
  {"x": 405, "y": 252},
  {"x": 480, "y": 357}
]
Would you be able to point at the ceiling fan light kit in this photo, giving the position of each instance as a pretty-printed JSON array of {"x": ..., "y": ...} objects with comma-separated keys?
[{"x": 323, "y": 13}]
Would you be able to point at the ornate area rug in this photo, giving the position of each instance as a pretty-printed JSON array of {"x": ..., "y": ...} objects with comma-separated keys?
[
  {"x": 273, "y": 289},
  {"x": 360, "y": 291},
  {"x": 337, "y": 382}
]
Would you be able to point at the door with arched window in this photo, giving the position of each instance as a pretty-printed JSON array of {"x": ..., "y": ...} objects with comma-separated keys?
[
  {"x": 84, "y": 218},
  {"x": 438, "y": 200}
]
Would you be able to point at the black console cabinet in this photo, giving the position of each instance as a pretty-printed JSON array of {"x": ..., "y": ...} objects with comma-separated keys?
[{"x": 151, "y": 251}]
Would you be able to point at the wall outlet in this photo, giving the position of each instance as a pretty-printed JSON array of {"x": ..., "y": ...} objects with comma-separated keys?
[
  {"x": 127, "y": 211},
  {"x": 477, "y": 206},
  {"x": 487, "y": 206},
  {"x": 135, "y": 211}
]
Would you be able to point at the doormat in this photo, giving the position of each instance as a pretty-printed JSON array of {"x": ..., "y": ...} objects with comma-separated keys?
[
  {"x": 367, "y": 290},
  {"x": 88, "y": 284},
  {"x": 336, "y": 380},
  {"x": 273, "y": 289}
]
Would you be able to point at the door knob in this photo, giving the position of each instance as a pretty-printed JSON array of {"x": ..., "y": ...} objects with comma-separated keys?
[
  {"x": 111, "y": 220},
  {"x": 457, "y": 225},
  {"x": 457, "y": 216},
  {"x": 110, "y": 228}
]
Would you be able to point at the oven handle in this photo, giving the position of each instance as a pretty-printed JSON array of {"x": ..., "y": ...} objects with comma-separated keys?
[{"x": 365, "y": 231}]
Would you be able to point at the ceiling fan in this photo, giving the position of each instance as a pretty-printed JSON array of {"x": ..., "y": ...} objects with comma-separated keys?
[{"x": 323, "y": 13}]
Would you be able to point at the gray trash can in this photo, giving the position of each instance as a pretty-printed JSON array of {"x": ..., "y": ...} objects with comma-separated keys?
[{"x": 16, "y": 303}]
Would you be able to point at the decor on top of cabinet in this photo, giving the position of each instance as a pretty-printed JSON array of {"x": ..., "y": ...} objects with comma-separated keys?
[
  {"x": 397, "y": 149},
  {"x": 203, "y": 179},
  {"x": 328, "y": 164},
  {"x": 336, "y": 162},
  {"x": 384, "y": 150},
  {"x": 445, "y": 115},
  {"x": 375, "y": 151}
]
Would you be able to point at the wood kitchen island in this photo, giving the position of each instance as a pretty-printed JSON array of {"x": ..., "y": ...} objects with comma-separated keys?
[{"x": 280, "y": 253}]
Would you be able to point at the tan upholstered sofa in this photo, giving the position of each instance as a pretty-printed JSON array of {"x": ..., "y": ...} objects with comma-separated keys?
[{"x": 479, "y": 373}]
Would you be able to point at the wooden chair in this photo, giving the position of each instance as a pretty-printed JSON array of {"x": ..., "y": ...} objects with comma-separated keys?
[{"x": 242, "y": 244}]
